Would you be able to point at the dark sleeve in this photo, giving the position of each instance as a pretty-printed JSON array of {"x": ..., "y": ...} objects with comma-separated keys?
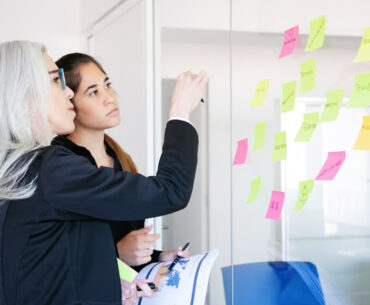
[{"x": 72, "y": 184}]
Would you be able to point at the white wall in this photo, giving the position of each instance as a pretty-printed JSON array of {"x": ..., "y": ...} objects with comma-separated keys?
[
  {"x": 54, "y": 23},
  {"x": 267, "y": 16}
]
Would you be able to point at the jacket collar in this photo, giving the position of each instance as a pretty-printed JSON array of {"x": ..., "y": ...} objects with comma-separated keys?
[{"x": 80, "y": 150}]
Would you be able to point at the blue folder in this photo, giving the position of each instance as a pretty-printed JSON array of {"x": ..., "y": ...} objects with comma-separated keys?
[{"x": 273, "y": 283}]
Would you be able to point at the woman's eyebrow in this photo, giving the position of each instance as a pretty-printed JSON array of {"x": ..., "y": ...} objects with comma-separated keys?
[
  {"x": 53, "y": 71},
  {"x": 90, "y": 87}
]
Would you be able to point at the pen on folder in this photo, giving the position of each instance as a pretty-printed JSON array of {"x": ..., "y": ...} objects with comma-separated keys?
[{"x": 177, "y": 258}]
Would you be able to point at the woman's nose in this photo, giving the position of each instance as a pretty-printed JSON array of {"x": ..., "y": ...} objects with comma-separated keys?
[{"x": 69, "y": 93}]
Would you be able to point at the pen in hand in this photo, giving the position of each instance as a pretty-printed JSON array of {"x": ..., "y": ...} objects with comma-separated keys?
[{"x": 177, "y": 258}]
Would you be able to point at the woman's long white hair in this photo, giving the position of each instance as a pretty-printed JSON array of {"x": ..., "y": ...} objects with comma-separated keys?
[{"x": 24, "y": 128}]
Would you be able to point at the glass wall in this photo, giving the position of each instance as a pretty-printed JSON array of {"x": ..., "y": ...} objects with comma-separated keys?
[{"x": 281, "y": 76}]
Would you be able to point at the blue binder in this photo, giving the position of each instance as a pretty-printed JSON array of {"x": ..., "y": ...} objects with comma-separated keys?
[{"x": 273, "y": 283}]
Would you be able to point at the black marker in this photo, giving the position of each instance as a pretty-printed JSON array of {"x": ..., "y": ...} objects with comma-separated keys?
[
  {"x": 177, "y": 258},
  {"x": 151, "y": 286}
]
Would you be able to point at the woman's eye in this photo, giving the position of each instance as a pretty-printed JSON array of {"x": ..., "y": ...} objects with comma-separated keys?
[
  {"x": 57, "y": 80},
  {"x": 93, "y": 93},
  {"x": 108, "y": 85}
]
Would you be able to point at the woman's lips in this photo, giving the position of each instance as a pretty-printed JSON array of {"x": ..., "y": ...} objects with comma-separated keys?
[{"x": 113, "y": 112}]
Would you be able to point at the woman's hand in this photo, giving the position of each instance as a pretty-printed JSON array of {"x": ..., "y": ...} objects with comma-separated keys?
[
  {"x": 170, "y": 255},
  {"x": 135, "y": 248},
  {"x": 189, "y": 90},
  {"x": 130, "y": 295}
]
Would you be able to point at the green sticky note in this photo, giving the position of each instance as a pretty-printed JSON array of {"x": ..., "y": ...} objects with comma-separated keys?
[
  {"x": 280, "y": 147},
  {"x": 360, "y": 96},
  {"x": 259, "y": 135},
  {"x": 334, "y": 100},
  {"x": 255, "y": 189},
  {"x": 126, "y": 273},
  {"x": 260, "y": 93},
  {"x": 317, "y": 34},
  {"x": 308, "y": 75},
  {"x": 305, "y": 189},
  {"x": 308, "y": 127},
  {"x": 288, "y": 98},
  {"x": 364, "y": 51}
]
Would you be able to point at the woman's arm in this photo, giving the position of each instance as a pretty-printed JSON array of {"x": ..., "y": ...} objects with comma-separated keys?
[{"x": 71, "y": 184}]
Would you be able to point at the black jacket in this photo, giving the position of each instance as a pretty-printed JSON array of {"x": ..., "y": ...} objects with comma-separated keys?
[
  {"x": 57, "y": 246},
  {"x": 119, "y": 228}
]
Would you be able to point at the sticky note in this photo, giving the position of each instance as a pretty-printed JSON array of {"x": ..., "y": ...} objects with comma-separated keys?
[
  {"x": 241, "y": 152},
  {"x": 255, "y": 189},
  {"x": 363, "y": 139},
  {"x": 288, "y": 98},
  {"x": 259, "y": 135},
  {"x": 280, "y": 148},
  {"x": 364, "y": 50},
  {"x": 276, "y": 205},
  {"x": 308, "y": 75},
  {"x": 305, "y": 189},
  {"x": 260, "y": 93},
  {"x": 360, "y": 96},
  {"x": 317, "y": 34},
  {"x": 290, "y": 41},
  {"x": 332, "y": 165},
  {"x": 334, "y": 100},
  {"x": 126, "y": 273},
  {"x": 308, "y": 127}
]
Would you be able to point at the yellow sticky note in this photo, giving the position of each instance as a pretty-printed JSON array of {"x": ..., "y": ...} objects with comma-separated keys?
[
  {"x": 317, "y": 34},
  {"x": 255, "y": 189},
  {"x": 334, "y": 100},
  {"x": 308, "y": 75},
  {"x": 280, "y": 147},
  {"x": 308, "y": 127},
  {"x": 360, "y": 96},
  {"x": 363, "y": 139},
  {"x": 126, "y": 273},
  {"x": 259, "y": 135},
  {"x": 364, "y": 51},
  {"x": 260, "y": 93},
  {"x": 288, "y": 98},
  {"x": 305, "y": 189}
]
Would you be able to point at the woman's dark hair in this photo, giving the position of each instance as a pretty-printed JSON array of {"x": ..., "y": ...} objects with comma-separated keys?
[{"x": 71, "y": 64}]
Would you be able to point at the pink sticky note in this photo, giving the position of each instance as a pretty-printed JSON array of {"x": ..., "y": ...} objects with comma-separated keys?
[
  {"x": 241, "y": 152},
  {"x": 276, "y": 205},
  {"x": 332, "y": 165},
  {"x": 290, "y": 41}
]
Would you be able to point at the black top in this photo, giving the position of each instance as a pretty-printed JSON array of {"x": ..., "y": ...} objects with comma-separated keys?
[
  {"x": 119, "y": 228},
  {"x": 57, "y": 245}
]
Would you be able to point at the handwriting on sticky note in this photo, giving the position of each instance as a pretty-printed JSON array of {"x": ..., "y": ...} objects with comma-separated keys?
[
  {"x": 241, "y": 152},
  {"x": 288, "y": 98},
  {"x": 360, "y": 96},
  {"x": 290, "y": 41},
  {"x": 280, "y": 147},
  {"x": 305, "y": 189},
  {"x": 254, "y": 190},
  {"x": 317, "y": 34},
  {"x": 364, "y": 50},
  {"x": 332, "y": 165},
  {"x": 260, "y": 93},
  {"x": 276, "y": 205},
  {"x": 308, "y": 127},
  {"x": 334, "y": 100},
  {"x": 308, "y": 75},
  {"x": 363, "y": 138},
  {"x": 259, "y": 135}
]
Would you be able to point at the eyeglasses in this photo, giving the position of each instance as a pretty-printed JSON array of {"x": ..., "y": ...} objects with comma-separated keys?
[{"x": 61, "y": 76}]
